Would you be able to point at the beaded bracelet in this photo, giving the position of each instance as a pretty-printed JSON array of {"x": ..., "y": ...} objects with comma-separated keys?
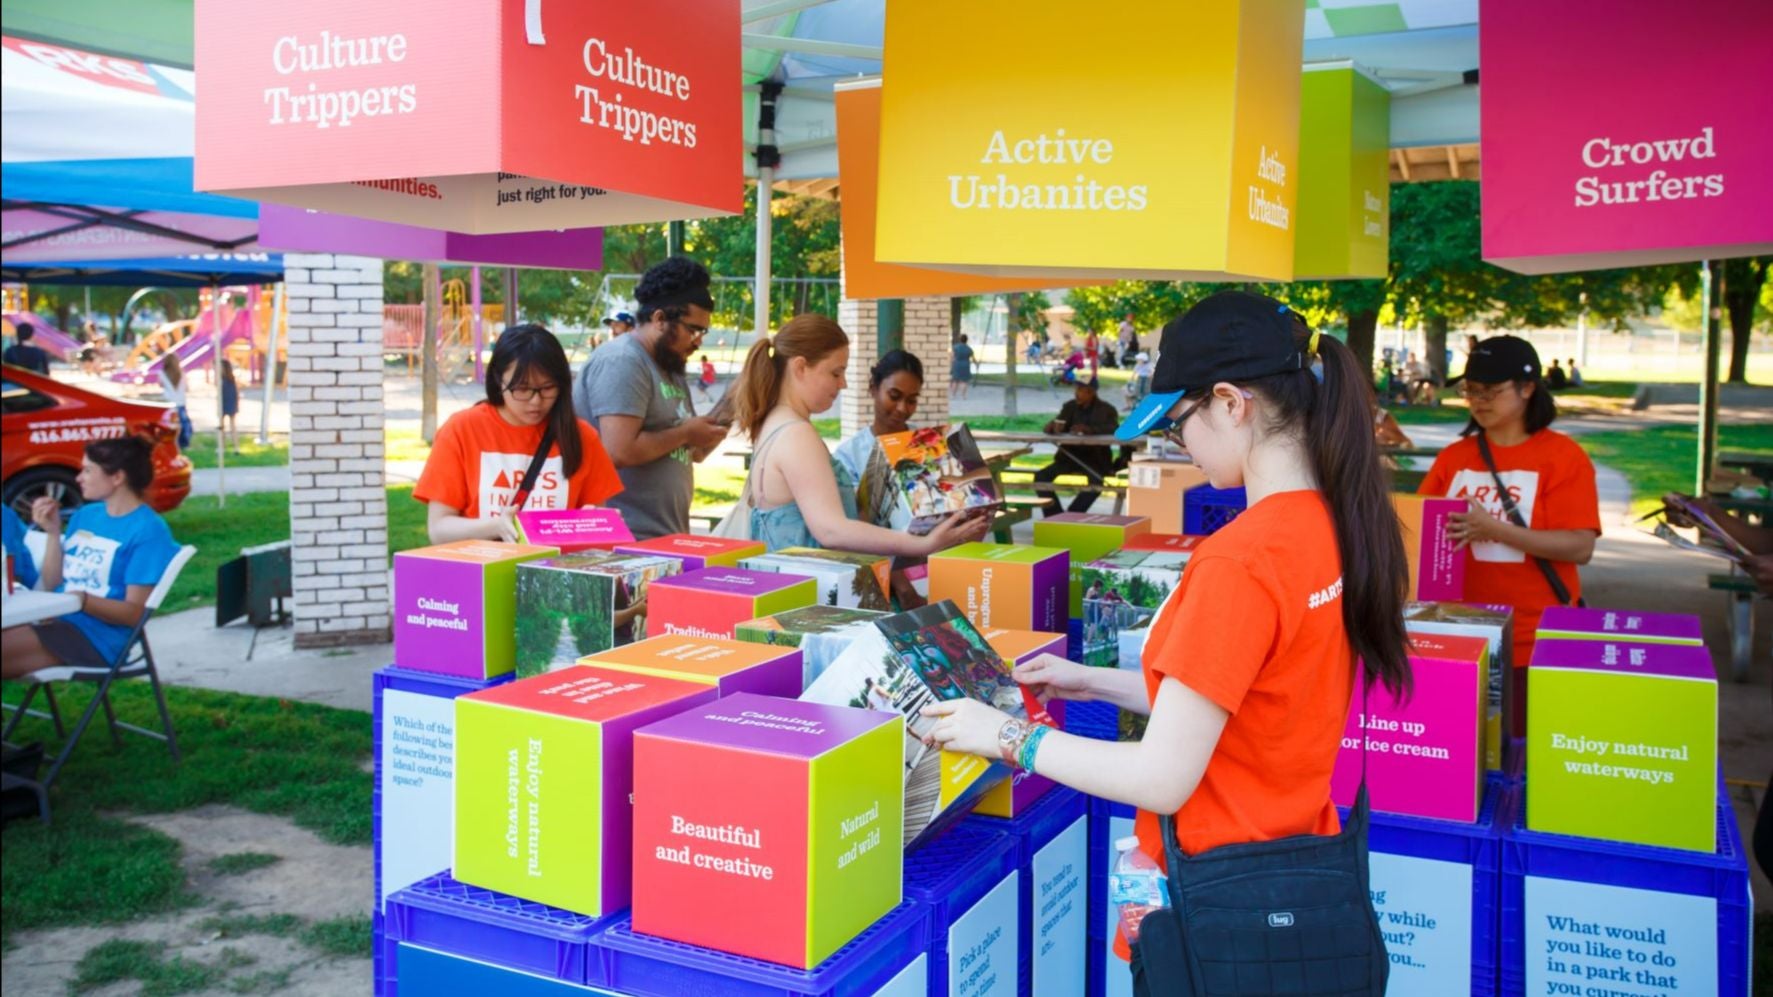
[{"x": 1025, "y": 757}]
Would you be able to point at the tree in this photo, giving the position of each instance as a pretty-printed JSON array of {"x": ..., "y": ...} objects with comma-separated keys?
[
  {"x": 1437, "y": 270},
  {"x": 1744, "y": 279}
]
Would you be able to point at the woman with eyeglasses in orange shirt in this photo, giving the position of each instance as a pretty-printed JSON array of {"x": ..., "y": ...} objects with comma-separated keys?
[
  {"x": 472, "y": 480},
  {"x": 1548, "y": 477}
]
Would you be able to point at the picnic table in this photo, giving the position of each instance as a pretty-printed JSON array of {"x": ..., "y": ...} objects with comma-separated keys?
[
  {"x": 30, "y": 606},
  {"x": 1760, "y": 465}
]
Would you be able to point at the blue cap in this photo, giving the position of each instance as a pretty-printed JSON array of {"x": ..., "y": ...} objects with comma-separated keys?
[
  {"x": 1151, "y": 413},
  {"x": 623, "y": 317}
]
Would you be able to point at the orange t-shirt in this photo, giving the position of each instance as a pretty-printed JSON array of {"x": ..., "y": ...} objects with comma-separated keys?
[
  {"x": 1256, "y": 627},
  {"x": 1552, "y": 482},
  {"x": 478, "y": 461}
]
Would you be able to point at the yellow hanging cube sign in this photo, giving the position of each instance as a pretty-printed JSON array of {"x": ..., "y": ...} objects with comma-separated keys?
[
  {"x": 1178, "y": 166},
  {"x": 1344, "y": 212}
]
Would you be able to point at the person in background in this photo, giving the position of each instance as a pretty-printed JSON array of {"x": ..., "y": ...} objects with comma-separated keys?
[
  {"x": 1034, "y": 350},
  {"x": 1555, "y": 378},
  {"x": 172, "y": 385},
  {"x": 960, "y": 372},
  {"x": 1548, "y": 476},
  {"x": 112, "y": 551},
  {"x": 1575, "y": 374},
  {"x": 794, "y": 495},
  {"x": 22, "y": 354},
  {"x": 619, "y": 324},
  {"x": 230, "y": 426},
  {"x": 472, "y": 482},
  {"x": 1253, "y": 659},
  {"x": 894, "y": 385},
  {"x": 634, "y": 391},
  {"x": 1093, "y": 352},
  {"x": 1142, "y": 370},
  {"x": 1129, "y": 336},
  {"x": 12, "y": 532},
  {"x": 705, "y": 383},
  {"x": 1085, "y": 415}
]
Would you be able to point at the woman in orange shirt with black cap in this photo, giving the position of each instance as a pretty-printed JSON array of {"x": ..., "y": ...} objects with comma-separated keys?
[{"x": 1250, "y": 665}]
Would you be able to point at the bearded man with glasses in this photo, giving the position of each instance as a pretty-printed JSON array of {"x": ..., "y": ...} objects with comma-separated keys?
[{"x": 634, "y": 391}]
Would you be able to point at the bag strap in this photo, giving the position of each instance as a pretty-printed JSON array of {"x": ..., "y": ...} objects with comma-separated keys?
[
  {"x": 535, "y": 468},
  {"x": 1558, "y": 589}
]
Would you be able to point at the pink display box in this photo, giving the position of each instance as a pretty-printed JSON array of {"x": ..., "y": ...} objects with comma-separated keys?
[
  {"x": 1643, "y": 151},
  {"x": 1425, "y": 757},
  {"x": 573, "y": 530},
  {"x": 713, "y": 601}
]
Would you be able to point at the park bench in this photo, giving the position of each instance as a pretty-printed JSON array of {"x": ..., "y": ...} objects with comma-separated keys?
[{"x": 1740, "y": 618}]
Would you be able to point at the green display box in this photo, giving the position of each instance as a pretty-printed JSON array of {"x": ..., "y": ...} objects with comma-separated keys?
[
  {"x": 579, "y": 604},
  {"x": 1087, "y": 536},
  {"x": 544, "y": 783},
  {"x": 1622, "y": 742}
]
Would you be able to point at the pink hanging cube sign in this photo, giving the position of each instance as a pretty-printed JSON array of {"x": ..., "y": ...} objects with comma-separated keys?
[
  {"x": 305, "y": 230},
  {"x": 1654, "y": 150},
  {"x": 1424, "y": 757},
  {"x": 475, "y": 116},
  {"x": 573, "y": 530}
]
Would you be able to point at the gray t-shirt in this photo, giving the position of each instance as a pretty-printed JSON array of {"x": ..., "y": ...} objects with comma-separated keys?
[{"x": 622, "y": 378}]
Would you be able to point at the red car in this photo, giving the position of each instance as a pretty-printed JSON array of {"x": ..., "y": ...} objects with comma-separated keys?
[{"x": 45, "y": 426}]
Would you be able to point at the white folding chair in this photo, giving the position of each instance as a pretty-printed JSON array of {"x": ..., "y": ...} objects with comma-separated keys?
[{"x": 135, "y": 660}]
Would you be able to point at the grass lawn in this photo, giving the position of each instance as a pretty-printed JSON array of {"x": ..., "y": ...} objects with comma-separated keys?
[
  {"x": 267, "y": 755},
  {"x": 1661, "y": 459},
  {"x": 251, "y": 453}
]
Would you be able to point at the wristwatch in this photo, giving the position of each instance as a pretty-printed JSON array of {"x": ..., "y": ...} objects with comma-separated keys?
[{"x": 1009, "y": 739}]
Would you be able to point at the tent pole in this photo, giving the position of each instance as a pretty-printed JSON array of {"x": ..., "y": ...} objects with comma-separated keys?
[
  {"x": 768, "y": 158},
  {"x": 271, "y": 364},
  {"x": 1708, "y": 388},
  {"x": 215, "y": 367},
  {"x": 479, "y": 332}
]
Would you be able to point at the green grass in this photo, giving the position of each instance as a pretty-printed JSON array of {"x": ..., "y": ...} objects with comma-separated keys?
[
  {"x": 239, "y": 863},
  {"x": 1662, "y": 459},
  {"x": 118, "y": 961},
  {"x": 347, "y": 937},
  {"x": 220, "y": 531},
  {"x": 267, "y": 755},
  {"x": 251, "y": 453},
  {"x": 232, "y": 925}
]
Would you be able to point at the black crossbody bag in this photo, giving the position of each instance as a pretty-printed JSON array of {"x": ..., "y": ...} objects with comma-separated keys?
[
  {"x": 1558, "y": 588},
  {"x": 528, "y": 484},
  {"x": 1288, "y": 916}
]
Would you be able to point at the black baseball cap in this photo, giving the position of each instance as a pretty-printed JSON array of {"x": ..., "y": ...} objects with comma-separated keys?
[
  {"x": 1230, "y": 336},
  {"x": 1499, "y": 359}
]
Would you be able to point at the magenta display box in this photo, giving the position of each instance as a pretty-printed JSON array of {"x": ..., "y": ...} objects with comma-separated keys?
[{"x": 573, "y": 530}]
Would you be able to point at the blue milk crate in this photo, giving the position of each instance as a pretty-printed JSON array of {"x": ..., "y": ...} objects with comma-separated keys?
[
  {"x": 1074, "y": 649},
  {"x": 444, "y": 974},
  {"x": 1097, "y": 720},
  {"x": 1206, "y": 510},
  {"x": 1105, "y": 974},
  {"x": 382, "y": 957},
  {"x": 455, "y": 918},
  {"x": 1407, "y": 889},
  {"x": 1053, "y": 853},
  {"x": 648, "y": 966},
  {"x": 969, "y": 881},
  {"x": 424, "y": 854},
  {"x": 439, "y": 974},
  {"x": 1698, "y": 901}
]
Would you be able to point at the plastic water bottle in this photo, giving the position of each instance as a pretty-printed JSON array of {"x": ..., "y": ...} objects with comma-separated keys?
[{"x": 1136, "y": 887}]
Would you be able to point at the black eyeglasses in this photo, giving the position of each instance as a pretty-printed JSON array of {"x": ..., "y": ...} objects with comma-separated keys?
[{"x": 1173, "y": 432}]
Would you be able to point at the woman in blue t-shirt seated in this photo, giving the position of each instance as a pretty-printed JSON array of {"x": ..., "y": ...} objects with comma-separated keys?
[{"x": 112, "y": 552}]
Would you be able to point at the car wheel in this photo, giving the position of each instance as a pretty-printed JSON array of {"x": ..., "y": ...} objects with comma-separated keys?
[{"x": 57, "y": 482}]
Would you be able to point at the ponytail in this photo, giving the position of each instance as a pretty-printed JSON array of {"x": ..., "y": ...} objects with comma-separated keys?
[
  {"x": 759, "y": 387},
  {"x": 1336, "y": 416}
]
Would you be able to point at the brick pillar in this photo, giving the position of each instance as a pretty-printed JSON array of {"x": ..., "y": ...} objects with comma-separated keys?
[
  {"x": 338, "y": 507},
  {"x": 927, "y": 337},
  {"x": 861, "y": 320}
]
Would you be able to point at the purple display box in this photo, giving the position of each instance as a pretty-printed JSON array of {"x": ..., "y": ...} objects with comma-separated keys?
[
  {"x": 1605, "y": 654},
  {"x": 1580, "y": 623},
  {"x": 455, "y": 607},
  {"x": 302, "y": 230}
]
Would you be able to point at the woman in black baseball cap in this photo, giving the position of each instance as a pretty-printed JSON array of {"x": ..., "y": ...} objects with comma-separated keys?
[
  {"x": 1509, "y": 462},
  {"x": 1249, "y": 667}
]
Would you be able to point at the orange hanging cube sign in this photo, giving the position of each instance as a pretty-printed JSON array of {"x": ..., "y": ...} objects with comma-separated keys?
[
  {"x": 479, "y": 116},
  {"x": 858, "y": 168},
  {"x": 1113, "y": 165}
]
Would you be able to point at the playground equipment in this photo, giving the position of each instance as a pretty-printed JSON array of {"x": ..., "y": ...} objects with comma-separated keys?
[
  {"x": 403, "y": 330},
  {"x": 44, "y": 332},
  {"x": 245, "y": 333}
]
